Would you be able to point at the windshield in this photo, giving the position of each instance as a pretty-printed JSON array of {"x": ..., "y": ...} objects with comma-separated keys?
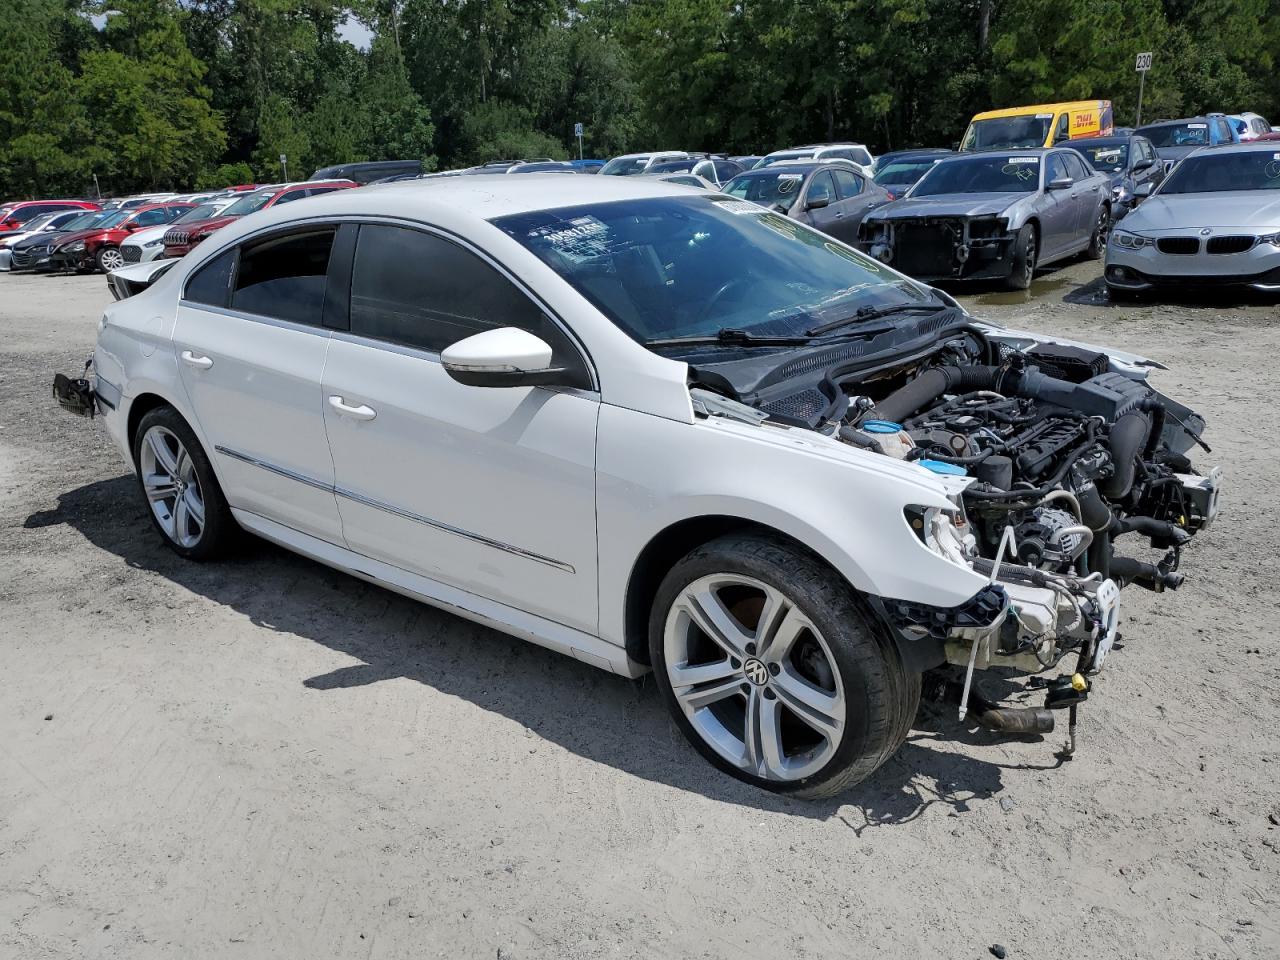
[
  {"x": 769, "y": 189},
  {"x": 83, "y": 221},
  {"x": 983, "y": 174},
  {"x": 789, "y": 155},
  {"x": 1178, "y": 135},
  {"x": 624, "y": 166},
  {"x": 112, "y": 218},
  {"x": 35, "y": 223},
  {"x": 903, "y": 173},
  {"x": 254, "y": 201},
  {"x": 672, "y": 267},
  {"x": 1218, "y": 172},
  {"x": 1107, "y": 157},
  {"x": 202, "y": 212},
  {"x": 1017, "y": 132}
]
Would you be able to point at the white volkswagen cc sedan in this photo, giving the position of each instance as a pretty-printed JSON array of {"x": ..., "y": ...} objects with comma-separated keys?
[{"x": 653, "y": 427}]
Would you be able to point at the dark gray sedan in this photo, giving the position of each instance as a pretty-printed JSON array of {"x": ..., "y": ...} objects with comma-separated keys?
[
  {"x": 829, "y": 195},
  {"x": 994, "y": 215}
]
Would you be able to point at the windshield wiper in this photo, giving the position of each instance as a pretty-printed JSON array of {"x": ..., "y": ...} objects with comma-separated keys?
[
  {"x": 730, "y": 336},
  {"x": 864, "y": 314}
]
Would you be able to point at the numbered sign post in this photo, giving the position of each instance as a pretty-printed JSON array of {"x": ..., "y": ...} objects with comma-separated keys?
[
  {"x": 577, "y": 132},
  {"x": 1142, "y": 65}
]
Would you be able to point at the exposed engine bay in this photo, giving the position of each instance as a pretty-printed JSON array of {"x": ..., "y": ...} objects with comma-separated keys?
[{"x": 1072, "y": 480}]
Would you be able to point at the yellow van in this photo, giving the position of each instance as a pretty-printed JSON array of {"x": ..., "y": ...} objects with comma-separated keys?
[{"x": 1043, "y": 125}]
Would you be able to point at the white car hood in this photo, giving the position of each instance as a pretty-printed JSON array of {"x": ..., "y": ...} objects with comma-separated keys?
[{"x": 143, "y": 237}]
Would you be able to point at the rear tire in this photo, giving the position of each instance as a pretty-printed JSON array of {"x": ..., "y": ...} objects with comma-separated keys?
[
  {"x": 776, "y": 670},
  {"x": 1025, "y": 250},
  {"x": 183, "y": 497}
]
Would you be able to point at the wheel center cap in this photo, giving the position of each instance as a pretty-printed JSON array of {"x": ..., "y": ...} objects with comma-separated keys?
[{"x": 756, "y": 672}]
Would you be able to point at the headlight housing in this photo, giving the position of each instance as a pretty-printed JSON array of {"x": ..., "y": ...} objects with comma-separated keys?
[
  {"x": 154, "y": 243},
  {"x": 1271, "y": 238},
  {"x": 1131, "y": 241},
  {"x": 76, "y": 247}
]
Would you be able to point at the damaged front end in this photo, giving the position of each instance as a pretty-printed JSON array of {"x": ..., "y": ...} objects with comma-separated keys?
[
  {"x": 942, "y": 248},
  {"x": 1060, "y": 462}
]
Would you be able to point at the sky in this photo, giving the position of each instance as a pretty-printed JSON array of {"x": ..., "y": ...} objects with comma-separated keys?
[{"x": 352, "y": 30}]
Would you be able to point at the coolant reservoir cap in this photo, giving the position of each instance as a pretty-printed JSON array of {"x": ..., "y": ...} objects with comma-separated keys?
[
  {"x": 946, "y": 469},
  {"x": 881, "y": 426}
]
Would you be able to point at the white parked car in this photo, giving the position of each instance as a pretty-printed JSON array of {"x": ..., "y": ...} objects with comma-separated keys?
[
  {"x": 1213, "y": 222},
  {"x": 856, "y": 153},
  {"x": 631, "y": 164},
  {"x": 650, "y": 427},
  {"x": 146, "y": 245}
]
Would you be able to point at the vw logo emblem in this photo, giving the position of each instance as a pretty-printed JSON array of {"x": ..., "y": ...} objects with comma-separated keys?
[
  {"x": 756, "y": 672},
  {"x": 1206, "y": 231}
]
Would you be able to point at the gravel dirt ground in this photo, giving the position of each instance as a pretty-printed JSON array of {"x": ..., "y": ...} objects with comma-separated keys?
[{"x": 263, "y": 758}]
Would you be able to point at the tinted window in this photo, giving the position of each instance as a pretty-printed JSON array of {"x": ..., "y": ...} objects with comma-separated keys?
[
  {"x": 212, "y": 283},
  {"x": 151, "y": 218},
  {"x": 1075, "y": 167},
  {"x": 847, "y": 183},
  {"x": 290, "y": 196},
  {"x": 1057, "y": 168},
  {"x": 284, "y": 277},
  {"x": 821, "y": 186},
  {"x": 423, "y": 291},
  {"x": 1064, "y": 128}
]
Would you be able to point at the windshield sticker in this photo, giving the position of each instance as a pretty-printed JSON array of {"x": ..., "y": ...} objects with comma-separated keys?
[
  {"x": 583, "y": 238},
  {"x": 1197, "y": 126},
  {"x": 1044, "y": 116},
  {"x": 739, "y": 206},
  {"x": 1023, "y": 160}
]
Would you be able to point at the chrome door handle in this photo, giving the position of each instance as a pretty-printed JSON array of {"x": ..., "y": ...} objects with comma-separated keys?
[
  {"x": 362, "y": 412},
  {"x": 191, "y": 360}
]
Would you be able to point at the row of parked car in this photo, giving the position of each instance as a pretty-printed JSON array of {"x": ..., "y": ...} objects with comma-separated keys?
[{"x": 1025, "y": 187}]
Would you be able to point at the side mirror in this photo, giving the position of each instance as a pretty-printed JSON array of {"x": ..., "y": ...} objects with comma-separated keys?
[
  {"x": 505, "y": 357},
  {"x": 1142, "y": 189},
  {"x": 1144, "y": 164},
  {"x": 817, "y": 203},
  {"x": 1061, "y": 183}
]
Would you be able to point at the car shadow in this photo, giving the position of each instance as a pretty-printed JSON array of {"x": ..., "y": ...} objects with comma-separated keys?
[{"x": 604, "y": 718}]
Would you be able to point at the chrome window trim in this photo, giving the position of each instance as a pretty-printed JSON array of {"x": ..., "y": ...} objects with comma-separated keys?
[
  {"x": 258, "y": 318},
  {"x": 393, "y": 510}
]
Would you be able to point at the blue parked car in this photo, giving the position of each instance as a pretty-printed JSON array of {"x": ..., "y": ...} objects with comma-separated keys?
[
  {"x": 1174, "y": 139},
  {"x": 588, "y": 166},
  {"x": 1131, "y": 162}
]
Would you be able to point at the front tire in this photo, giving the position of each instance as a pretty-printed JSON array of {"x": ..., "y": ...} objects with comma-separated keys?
[
  {"x": 183, "y": 497},
  {"x": 1098, "y": 239},
  {"x": 1025, "y": 250},
  {"x": 776, "y": 670},
  {"x": 108, "y": 259}
]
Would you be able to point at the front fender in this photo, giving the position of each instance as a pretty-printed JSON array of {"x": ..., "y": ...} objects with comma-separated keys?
[{"x": 843, "y": 503}]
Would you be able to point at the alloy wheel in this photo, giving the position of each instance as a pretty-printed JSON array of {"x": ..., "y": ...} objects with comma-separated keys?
[
  {"x": 754, "y": 676},
  {"x": 1029, "y": 266},
  {"x": 172, "y": 486},
  {"x": 111, "y": 259}
]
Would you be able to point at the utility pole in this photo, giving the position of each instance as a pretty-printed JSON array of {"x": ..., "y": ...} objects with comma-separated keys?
[
  {"x": 97, "y": 189},
  {"x": 284, "y": 167},
  {"x": 1142, "y": 65}
]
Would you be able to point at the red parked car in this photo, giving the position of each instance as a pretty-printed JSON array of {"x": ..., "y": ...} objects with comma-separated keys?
[
  {"x": 16, "y": 213},
  {"x": 98, "y": 248},
  {"x": 179, "y": 241}
]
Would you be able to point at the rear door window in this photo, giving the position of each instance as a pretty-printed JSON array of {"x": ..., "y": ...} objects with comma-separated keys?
[
  {"x": 284, "y": 277},
  {"x": 847, "y": 183}
]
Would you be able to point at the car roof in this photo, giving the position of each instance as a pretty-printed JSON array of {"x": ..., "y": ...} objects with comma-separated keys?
[
  {"x": 1249, "y": 146},
  {"x": 1063, "y": 106},
  {"x": 467, "y": 199},
  {"x": 1203, "y": 118}
]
